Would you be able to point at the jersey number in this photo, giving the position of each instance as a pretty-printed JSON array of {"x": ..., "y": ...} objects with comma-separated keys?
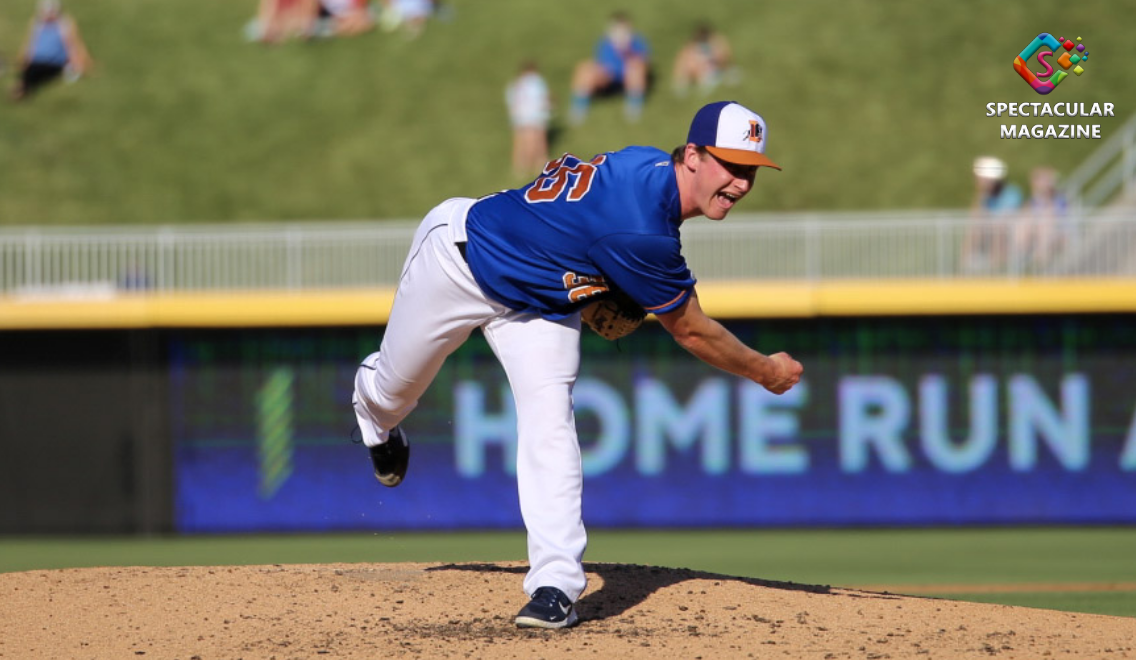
[
  {"x": 557, "y": 175},
  {"x": 582, "y": 287}
]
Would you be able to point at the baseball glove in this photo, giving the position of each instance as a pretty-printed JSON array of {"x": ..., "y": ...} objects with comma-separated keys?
[{"x": 613, "y": 316}]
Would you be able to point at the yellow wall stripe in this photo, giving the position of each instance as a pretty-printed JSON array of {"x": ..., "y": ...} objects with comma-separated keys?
[
  {"x": 190, "y": 310},
  {"x": 917, "y": 297},
  {"x": 719, "y": 299}
]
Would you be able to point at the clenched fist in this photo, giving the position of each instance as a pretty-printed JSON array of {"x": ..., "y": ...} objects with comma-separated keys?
[{"x": 784, "y": 372}]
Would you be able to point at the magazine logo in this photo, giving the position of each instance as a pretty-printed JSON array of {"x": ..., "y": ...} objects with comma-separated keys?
[{"x": 1045, "y": 45}]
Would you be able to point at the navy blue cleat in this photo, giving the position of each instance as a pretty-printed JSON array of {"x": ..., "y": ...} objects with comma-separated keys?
[
  {"x": 549, "y": 608},
  {"x": 391, "y": 458}
]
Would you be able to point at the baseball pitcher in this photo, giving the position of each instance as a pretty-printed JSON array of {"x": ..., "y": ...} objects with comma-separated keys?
[{"x": 596, "y": 239}]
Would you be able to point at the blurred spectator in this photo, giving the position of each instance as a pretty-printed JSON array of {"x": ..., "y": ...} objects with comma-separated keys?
[
  {"x": 996, "y": 203},
  {"x": 529, "y": 110},
  {"x": 620, "y": 62},
  {"x": 410, "y": 15},
  {"x": 704, "y": 61},
  {"x": 134, "y": 278},
  {"x": 1039, "y": 231},
  {"x": 53, "y": 48},
  {"x": 279, "y": 20},
  {"x": 343, "y": 18}
]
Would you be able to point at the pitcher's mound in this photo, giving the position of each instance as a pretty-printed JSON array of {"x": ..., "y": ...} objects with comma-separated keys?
[{"x": 466, "y": 611}]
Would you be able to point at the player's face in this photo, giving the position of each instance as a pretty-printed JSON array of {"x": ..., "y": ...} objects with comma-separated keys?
[{"x": 720, "y": 185}]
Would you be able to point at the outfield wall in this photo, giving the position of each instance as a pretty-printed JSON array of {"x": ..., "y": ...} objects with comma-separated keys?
[
  {"x": 84, "y": 432},
  {"x": 900, "y": 420}
]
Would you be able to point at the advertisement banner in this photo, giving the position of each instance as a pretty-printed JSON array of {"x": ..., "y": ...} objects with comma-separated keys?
[{"x": 897, "y": 421}]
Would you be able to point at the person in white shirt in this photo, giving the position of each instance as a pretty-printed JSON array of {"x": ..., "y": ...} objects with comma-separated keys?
[{"x": 529, "y": 112}]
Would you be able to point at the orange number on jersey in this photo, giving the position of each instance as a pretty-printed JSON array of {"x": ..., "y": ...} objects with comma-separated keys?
[
  {"x": 555, "y": 179},
  {"x": 581, "y": 287}
]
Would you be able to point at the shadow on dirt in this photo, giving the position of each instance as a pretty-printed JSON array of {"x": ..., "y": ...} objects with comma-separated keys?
[{"x": 627, "y": 585}]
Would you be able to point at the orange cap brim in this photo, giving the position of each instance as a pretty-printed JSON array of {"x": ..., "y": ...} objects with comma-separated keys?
[{"x": 742, "y": 157}]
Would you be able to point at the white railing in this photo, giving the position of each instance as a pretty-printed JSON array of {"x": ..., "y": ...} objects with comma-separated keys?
[
  {"x": 1111, "y": 168},
  {"x": 219, "y": 257},
  {"x": 810, "y": 247},
  {"x": 912, "y": 245}
]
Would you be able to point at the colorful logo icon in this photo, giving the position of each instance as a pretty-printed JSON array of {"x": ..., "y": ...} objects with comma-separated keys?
[{"x": 1043, "y": 46}]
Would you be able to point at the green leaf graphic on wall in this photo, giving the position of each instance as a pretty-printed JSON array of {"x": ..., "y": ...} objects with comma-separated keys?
[{"x": 275, "y": 431}]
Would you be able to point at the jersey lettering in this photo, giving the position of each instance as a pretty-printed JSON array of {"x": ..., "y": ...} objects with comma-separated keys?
[
  {"x": 582, "y": 287},
  {"x": 556, "y": 176}
]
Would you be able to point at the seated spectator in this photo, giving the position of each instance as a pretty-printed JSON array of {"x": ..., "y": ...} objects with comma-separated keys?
[
  {"x": 705, "y": 61},
  {"x": 529, "y": 110},
  {"x": 279, "y": 20},
  {"x": 53, "y": 48},
  {"x": 343, "y": 18},
  {"x": 996, "y": 204},
  {"x": 620, "y": 62},
  {"x": 409, "y": 15}
]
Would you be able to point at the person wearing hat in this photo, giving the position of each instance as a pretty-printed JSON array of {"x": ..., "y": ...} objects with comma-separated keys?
[
  {"x": 996, "y": 202},
  {"x": 52, "y": 48},
  {"x": 520, "y": 265}
]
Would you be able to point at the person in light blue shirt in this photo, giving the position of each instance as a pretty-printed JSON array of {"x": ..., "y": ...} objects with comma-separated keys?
[
  {"x": 994, "y": 210},
  {"x": 53, "y": 48},
  {"x": 621, "y": 61}
]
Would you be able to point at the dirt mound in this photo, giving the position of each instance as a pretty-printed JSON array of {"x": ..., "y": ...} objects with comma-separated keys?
[{"x": 466, "y": 611}]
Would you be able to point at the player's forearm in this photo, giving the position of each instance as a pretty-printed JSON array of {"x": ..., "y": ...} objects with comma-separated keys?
[{"x": 715, "y": 345}]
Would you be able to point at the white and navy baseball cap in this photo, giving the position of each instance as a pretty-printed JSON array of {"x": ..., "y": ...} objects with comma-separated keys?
[{"x": 731, "y": 132}]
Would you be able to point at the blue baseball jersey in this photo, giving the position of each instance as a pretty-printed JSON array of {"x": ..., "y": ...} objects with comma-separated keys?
[{"x": 581, "y": 229}]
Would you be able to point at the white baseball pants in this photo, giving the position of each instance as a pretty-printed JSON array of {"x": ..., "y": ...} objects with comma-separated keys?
[{"x": 436, "y": 307}]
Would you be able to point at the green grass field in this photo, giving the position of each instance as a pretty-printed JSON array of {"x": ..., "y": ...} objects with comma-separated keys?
[
  {"x": 1000, "y": 564},
  {"x": 870, "y": 105}
]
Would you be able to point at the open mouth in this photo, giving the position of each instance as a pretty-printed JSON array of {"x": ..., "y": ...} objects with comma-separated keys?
[{"x": 728, "y": 199}]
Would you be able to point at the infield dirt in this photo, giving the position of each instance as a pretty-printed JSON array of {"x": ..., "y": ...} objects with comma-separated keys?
[{"x": 466, "y": 611}]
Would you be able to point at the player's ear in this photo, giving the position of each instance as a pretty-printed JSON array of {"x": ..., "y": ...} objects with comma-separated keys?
[{"x": 691, "y": 157}]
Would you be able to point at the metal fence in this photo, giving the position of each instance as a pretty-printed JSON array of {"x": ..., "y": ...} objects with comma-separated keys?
[
  {"x": 808, "y": 247},
  {"x": 1111, "y": 168}
]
